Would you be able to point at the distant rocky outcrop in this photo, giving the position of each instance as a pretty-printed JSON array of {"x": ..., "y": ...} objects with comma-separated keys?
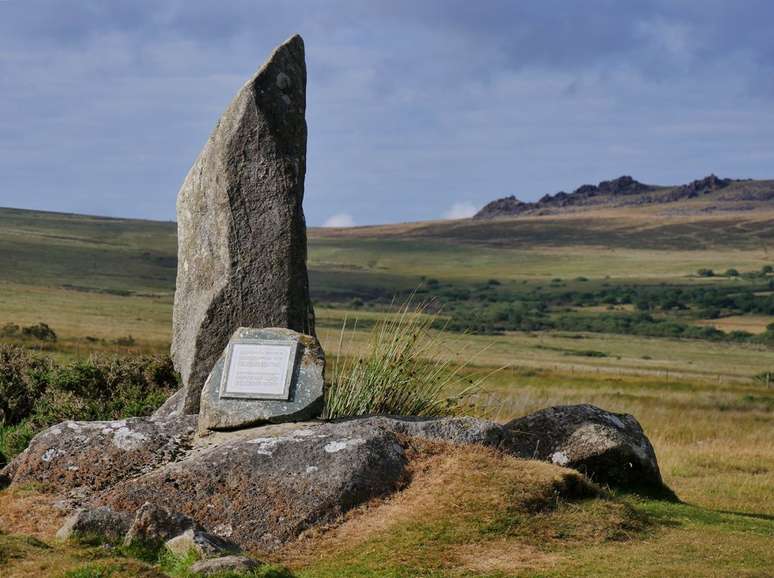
[
  {"x": 503, "y": 207},
  {"x": 697, "y": 188},
  {"x": 623, "y": 191},
  {"x": 241, "y": 227}
]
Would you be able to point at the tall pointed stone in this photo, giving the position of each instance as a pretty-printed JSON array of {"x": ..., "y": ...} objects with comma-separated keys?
[{"x": 241, "y": 228}]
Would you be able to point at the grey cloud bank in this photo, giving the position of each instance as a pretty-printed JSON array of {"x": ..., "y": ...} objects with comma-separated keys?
[{"x": 416, "y": 110}]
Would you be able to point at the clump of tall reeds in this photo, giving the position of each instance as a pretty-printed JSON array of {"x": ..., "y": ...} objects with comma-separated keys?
[{"x": 405, "y": 370}]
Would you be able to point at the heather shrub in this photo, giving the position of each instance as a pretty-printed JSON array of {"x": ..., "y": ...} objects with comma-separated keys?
[{"x": 37, "y": 392}]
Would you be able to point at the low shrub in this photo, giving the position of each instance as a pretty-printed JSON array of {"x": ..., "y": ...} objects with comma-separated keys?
[
  {"x": 39, "y": 331},
  {"x": 22, "y": 381},
  {"x": 36, "y": 392}
]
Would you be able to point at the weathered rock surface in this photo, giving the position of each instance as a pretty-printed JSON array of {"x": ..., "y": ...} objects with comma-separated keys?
[
  {"x": 610, "y": 448},
  {"x": 224, "y": 565},
  {"x": 171, "y": 407},
  {"x": 96, "y": 522},
  {"x": 98, "y": 454},
  {"x": 153, "y": 525},
  {"x": 241, "y": 227},
  {"x": 262, "y": 491},
  {"x": 306, "y": 392},
  {"x": 205, "y": 545},
  {"x": 456, "y": 430}
]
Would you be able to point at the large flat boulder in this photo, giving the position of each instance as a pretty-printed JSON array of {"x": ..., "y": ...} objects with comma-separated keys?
[
  {"x": 261, "y": 487},
  {"x": 610, "y": 448},
  {"x": 261, "y": 490},
  {"x": 241, "y": 228},
  {"x": 96, "y": 455}
]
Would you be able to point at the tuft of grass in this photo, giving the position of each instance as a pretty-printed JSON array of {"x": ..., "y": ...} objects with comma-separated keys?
[
  {"x": 90, "y": 571},
  {"x": 180, "y": 567},
  {"x": 400, "y": 371},
  {"x": 177, "y": 566}
]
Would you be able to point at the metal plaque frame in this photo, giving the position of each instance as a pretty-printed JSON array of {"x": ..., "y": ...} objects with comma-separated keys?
[{"x": 285, "y": 395}]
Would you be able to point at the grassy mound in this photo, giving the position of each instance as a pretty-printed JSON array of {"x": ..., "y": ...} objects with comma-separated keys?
[{"x": 468, "y": 511}]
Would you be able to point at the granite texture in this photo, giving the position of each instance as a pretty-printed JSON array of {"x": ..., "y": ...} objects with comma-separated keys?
[
  {"x": 241, "y": 227},
  {"x": 610, "y": 448}
]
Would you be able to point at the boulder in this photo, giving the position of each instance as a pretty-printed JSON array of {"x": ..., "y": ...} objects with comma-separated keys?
[
  {"x": 103, "y": 524},
  {"x": 241, "y": 228},
  {"x": 456, "y": 430},
  {"x": 610, "y": 448},
  {"x": 154, "y": 524},
  {"x": 263, "y": 487},
  {"x": 204, "y": 544},
  {"x": 224, "y": 566},
  {"x": 96, "y": 455},
  {"x": 306, "y": 392}
]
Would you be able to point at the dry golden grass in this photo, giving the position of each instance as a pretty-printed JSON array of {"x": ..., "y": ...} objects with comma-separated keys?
[
  {"x": 27, "y": 511},
  {"x": 470, "y": 509},
  {"x": 755, "y": 324}
]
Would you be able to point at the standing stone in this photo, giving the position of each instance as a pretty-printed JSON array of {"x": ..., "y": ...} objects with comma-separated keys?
[{"x": 241, "y": 227}]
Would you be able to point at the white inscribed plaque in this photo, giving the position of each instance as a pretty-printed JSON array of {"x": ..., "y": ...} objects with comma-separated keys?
[{"x": 259, "y": 370}]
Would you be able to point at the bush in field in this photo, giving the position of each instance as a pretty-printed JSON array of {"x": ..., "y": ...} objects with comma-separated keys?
[
  {"x": 22, "y": 381},
  {"x": 9, "y": 330},
  {"x": 705, "y": 273},
  {"x": 767, "y": 377},
  {"x": 36, "y": 392},
  {"x": 40, "y": 331}
]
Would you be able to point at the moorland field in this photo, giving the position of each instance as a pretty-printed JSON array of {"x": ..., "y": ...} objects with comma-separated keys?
[{"x": 667, "y": 315}]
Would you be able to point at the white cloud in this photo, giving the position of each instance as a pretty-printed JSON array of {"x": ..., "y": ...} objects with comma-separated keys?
[
  {"x": 463, "y": 210},
  {"x": 340, "y": 220}
]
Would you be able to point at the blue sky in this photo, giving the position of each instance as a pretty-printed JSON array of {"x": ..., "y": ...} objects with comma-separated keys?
[{"x": 416, "y": 109}]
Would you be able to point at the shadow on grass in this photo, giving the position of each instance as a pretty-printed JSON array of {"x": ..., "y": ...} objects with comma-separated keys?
[{"x": 765, "y": 517}]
